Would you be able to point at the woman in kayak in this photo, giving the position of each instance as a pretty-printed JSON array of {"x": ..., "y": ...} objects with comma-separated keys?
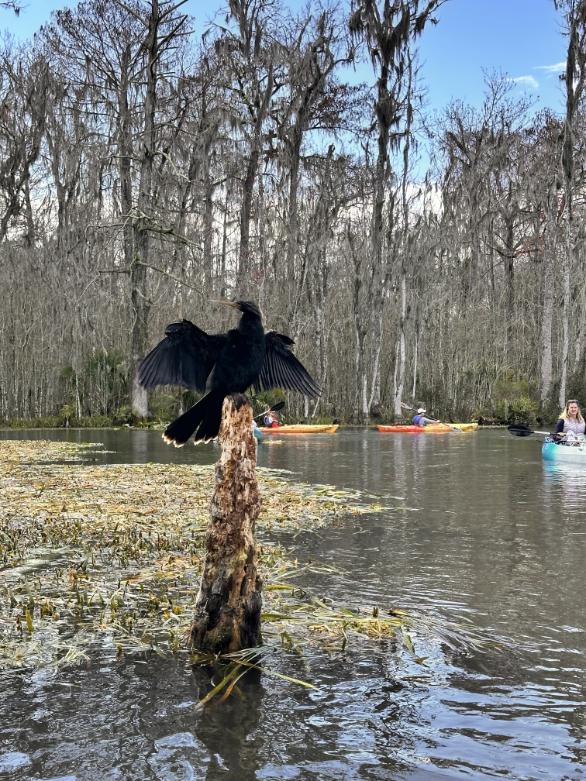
[
  {"x": 570, "y": 425},
  {"x": 421, "y": 420}
]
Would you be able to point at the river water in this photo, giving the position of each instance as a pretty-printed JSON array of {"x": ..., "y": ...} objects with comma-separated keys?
[{"x": 479, "y": 533}]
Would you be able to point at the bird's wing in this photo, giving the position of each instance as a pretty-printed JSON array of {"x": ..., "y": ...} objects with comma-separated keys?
[
  {"x": 184, "y": 357},
  {"x": 281, "y": 369}
]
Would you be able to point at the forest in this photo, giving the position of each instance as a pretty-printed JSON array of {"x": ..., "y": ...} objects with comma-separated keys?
[{"x": 150, "y": 164}]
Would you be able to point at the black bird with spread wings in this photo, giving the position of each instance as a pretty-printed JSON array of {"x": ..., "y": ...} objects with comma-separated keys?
[{"x": 220, "y": 364}]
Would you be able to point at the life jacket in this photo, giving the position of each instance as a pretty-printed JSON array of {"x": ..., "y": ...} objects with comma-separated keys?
[{"x": 417, "y": 420}]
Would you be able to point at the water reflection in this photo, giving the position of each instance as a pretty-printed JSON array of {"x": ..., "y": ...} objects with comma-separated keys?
[
  {"x": 566, "y": 480},
  {"x": 231, "y": 733},
  {"x": 477, "y": 531}
]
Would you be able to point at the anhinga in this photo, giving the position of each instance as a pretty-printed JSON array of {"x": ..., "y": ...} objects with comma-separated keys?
[{"x": 220, "y": 364}]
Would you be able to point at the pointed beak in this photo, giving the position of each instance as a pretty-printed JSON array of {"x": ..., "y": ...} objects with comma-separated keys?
[{"x": 225, "y": 302}]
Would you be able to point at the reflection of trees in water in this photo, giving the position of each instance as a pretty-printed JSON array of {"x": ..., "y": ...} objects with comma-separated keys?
[
  {"x": 564, "y": 481},
  {"x": 577, "y": 728},
  {"x": 393, "y": 715},
  {"x": 229, "y": 729},
  {"x": 354, "y": 723},
  {"x": 364, "y": 460}
]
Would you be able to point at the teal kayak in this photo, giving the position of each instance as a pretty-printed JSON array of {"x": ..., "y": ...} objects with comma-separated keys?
[{"x": 552, "y": 451}]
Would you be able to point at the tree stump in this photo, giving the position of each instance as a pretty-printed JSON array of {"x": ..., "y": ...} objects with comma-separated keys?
[{"x": 227, "y": 615}]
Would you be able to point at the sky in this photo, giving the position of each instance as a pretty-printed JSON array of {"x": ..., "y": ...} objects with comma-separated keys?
[{"x": 522, "y": 38}]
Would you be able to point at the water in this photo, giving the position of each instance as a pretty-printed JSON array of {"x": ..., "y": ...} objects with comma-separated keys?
[{"x": 480, "y": 533}]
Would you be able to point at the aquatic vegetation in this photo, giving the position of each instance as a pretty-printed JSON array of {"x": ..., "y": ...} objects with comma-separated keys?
[{"x": 108, "y": 557}]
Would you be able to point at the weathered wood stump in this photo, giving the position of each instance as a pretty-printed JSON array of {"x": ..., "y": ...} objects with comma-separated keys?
[{"x": 228, "y": 606}]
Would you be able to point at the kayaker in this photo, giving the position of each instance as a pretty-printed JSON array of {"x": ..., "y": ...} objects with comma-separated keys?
[
  {"x": 271, "y": 420},
  {"x": 570, "y": 423},
  {"x": 421, "y": 420}
]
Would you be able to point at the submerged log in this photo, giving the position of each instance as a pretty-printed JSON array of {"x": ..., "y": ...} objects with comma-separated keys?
[{"x": 227, "y": 616}]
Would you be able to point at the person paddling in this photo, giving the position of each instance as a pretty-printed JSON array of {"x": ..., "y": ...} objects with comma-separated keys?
[
  {"x": 271, "y": 419},
  {"x": 570, "y": 425},
  {"x": 421, "y": 420}
]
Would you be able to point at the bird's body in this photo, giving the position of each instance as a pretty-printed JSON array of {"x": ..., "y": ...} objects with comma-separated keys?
[
  {"x": 221, "y": 364},
  {"x": 229, "y": 372}
]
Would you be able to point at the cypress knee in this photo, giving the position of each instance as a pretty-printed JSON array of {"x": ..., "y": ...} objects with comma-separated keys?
[{"x": 227, "y": 616}]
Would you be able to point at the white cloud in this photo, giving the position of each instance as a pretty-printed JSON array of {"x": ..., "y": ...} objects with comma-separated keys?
[
  {"x": 557, "y": 67},
  {"x": 526, "y": 81}
]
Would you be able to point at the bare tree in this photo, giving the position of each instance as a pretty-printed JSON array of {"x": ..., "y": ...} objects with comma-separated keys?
[
  {"x": 252, "y": 57},
  {"x": 23, "y": 100},
  {"x": 118, "y": 52},
  {"x": 575, "y": 81},
  {"x": 387, "y": 28}
]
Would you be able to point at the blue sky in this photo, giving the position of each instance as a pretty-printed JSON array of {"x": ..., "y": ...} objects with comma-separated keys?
[{"x": 522, "y": 38}]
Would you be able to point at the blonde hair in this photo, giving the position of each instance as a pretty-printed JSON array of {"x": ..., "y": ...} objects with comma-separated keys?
[{"x": 564, "y": 415}]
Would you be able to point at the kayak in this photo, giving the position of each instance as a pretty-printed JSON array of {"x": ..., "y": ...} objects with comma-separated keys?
[
  {"x": 431, "y": 428},
  {"x": 552, "y": 451},
  {"x": 301, "y": 428},
  {"x": 441, "y": 427},
  {"x": 400, "y": 429}
]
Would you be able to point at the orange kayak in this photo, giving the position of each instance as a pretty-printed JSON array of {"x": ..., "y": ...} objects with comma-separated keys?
[
  {"x": 431, "y": 428},
  {"x": 301, "y": 428}
]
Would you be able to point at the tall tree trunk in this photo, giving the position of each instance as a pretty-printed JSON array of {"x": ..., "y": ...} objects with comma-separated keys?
[
  {"x": 400, "y": 382},
  {"x": 580, "y": 305},
  {"x": 249, "y": 180},
  {"x": 375, "y": 390},
  {"x": 142, "y": 223},
  {"x": 575, "y": 80},
  {"x": 548, "y": 280},
  {"x": 415, "y": 359},
  {"x": 510, "y": 281},
  {"x": 377, "y": 284},
  {"x": 245, "y": 217},
  {"x": 208, "y": 228},
  {"x": 566, "y": 308},
  {"x": 292, "y": 211},
  {"x": 360, "y": 411},
  {"x": 124, "y": 139}
]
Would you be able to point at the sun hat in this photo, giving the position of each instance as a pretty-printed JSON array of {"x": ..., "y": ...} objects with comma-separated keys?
[{"x": 421, "y": 410}]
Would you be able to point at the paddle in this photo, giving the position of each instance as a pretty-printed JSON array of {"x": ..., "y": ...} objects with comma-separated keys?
[
  {"x": 275, "y": 408},
  {"x": 519, "y": 430}
]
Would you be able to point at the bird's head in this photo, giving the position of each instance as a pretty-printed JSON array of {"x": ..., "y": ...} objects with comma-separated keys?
[{"x": 246, "y": 307}]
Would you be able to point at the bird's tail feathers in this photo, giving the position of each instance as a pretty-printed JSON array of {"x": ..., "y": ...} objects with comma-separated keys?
[
  {"x": 209, "y": 428},
  {"x": 203, "y": 418}
]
